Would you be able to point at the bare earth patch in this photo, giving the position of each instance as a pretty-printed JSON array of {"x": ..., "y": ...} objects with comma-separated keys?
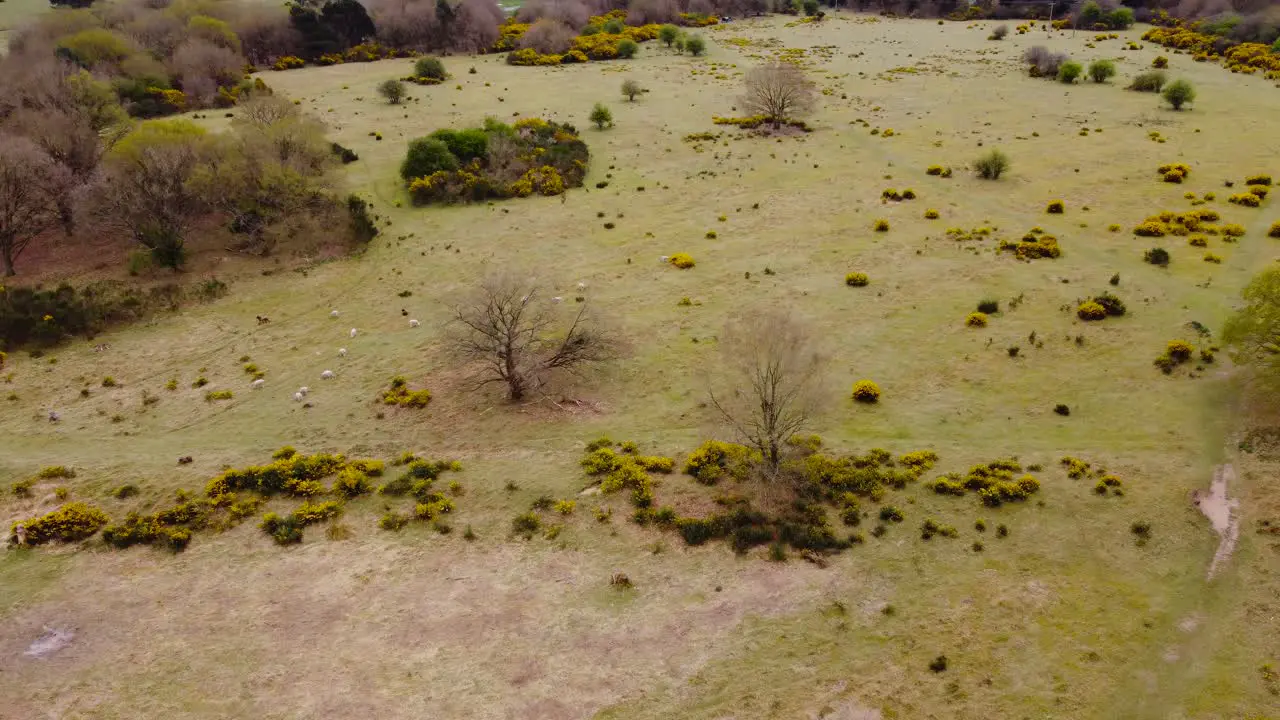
[
  {"x": 50, "y": 641},
  {"x": 1218, "y": 507}
]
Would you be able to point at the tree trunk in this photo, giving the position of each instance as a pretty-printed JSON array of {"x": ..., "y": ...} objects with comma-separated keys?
[{"x": 6, "y": 254}]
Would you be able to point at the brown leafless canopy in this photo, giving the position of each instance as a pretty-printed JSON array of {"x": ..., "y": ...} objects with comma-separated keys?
[
  {"x": 30, "y": 185},
  {"x": 772, "y": 379},
  {"x": 778, "y": 91},
  {"x": 517, "y": 338}
]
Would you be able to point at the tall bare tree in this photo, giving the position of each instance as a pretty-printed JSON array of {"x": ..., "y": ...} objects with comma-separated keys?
[
  {"x": 517, "y": 338},
  {"x": 772, "y": 380},
  {"x": 30, "y": 185},
  {"x": 779, "y": 91}
]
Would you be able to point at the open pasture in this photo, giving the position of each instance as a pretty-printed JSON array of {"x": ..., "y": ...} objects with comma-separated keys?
[{"x": 1068, "y": 616}]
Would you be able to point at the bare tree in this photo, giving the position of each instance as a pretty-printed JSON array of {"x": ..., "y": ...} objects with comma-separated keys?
[
  {"x": 30, "y": 185},
  {"x": 778, "y": 91},
  {"x": 772, "y": 380},
  {"x": 512, "y": 333}
]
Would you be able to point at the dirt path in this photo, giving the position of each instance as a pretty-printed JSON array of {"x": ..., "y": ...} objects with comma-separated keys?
[{"x": 1219, "y": 508}]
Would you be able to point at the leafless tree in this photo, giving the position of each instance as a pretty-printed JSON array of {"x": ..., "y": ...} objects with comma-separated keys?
[
  {"x": 778, "y": 91},
  {"x": 548, "y": 37},
  {"x": 518, "y": 339},
  {"x": 772, "y": 379},
  {"x": 30, "y": 185}
]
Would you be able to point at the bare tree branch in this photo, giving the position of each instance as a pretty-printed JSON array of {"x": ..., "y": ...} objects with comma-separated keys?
[
  {"x": 772, "y": 379},
  {"x": 510, "y": 333},
  {"x": 778, "y": 91}
]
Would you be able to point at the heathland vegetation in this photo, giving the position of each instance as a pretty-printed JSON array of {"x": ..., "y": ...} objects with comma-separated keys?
[{"x": 673, "y": 339}]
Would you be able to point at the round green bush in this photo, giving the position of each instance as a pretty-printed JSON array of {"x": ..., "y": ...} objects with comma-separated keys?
[
  {"x": 1070, "y": 71},
  {"x": 695, "y": 45},
  {"x": 427, "y": 156},
  {"x": 627, "y": 48},
  {"x": 466, "y": 145},
  {"x": 1102, "y": 70},
  {"x": 429, "y": 67},
  {"x": 1179, "y": 93}
]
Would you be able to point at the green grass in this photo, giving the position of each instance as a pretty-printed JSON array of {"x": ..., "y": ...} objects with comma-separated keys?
[{"x": 1065, "y": 618}]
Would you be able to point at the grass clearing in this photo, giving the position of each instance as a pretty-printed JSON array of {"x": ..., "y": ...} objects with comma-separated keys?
[{"x": 1066, "y": 617}]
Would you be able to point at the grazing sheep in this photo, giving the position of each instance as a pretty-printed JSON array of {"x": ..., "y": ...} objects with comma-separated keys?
[
  {"x": 665, "y": 259},
  {"x": 556, "y": 299},
  {"x": 342, "y": 352},
  {"x": 582, "y": 286},
  {"x": 327, "y": 375},
  {"x": 20, "y": 533},
  {"x": 353, "y": 332},
  {"x": 257, "y": 384},
  {"x": 333, "y": 313},
  {"x": 413, "y": 323},
  {"x": 184, "y": 460},
  {"x": 297, "y": 397},
  {"x": 304, "y": 389}
]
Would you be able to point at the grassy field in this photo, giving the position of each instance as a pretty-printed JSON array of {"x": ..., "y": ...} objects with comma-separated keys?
[{"x": 1067, "y": 617}]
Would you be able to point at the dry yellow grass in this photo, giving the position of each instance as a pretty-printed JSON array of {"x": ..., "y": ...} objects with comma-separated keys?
[{"x": 1065, "y": 618}]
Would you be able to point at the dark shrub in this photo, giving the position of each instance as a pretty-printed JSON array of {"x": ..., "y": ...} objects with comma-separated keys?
[
  {"x": 362, "y": 226},
  {"x": 345, "y": 154},
  {"x": 1157, "y": 256},
  {"x": 1114, "y": 305},
  {"x": 989, "y": 306},
  {"x": 429, "y": 67},
  {"x": 466, "y": 145},
  {"x": 426, "y": 156},
  {"x": 1062, "y": 409}
]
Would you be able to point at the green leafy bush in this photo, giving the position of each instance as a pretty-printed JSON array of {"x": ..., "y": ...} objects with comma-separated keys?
[
  {"x": 1152, "y": 81},
  {"x": 427, "y": 156},
  {"x": 1102, "y": 70},
  {"x": 715, "y": 460},
  {"x": 465, "y": 145},
  {"x": 429, "y": 67},
  {"x": 1179, "y": 93},
  {"x": 1069, "y": 72}
]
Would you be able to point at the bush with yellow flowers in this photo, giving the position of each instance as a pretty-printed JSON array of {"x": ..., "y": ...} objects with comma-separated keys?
[
  {"x": 1090, "y": 310},
  {"x": 1055, "y": 207},
  {"x": 684, "y": 261},
  {"x": 866, "y": 391},
  {"x": 70, "y": 523},
  {"x": 976, "y": 319},
  {"x": 856, "y": 279},
  {"x": 1245, "y": 199},
  {"x": 400, "y": 395},
  {"x": 881, "y": 225}
]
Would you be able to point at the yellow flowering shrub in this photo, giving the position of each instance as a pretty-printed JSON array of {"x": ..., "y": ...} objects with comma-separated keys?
[
  {"x": 976, "y": 319},
  {"x": 289, "y": 62},
  {"x": 400, "y": 395},
  {"x": 1090, "y": 310},
  {"x": 1198, "y": 241},
  {"x": 1274, "y": 232},
  {"x": 1055, "y": 207},
  {"x": 1259, "y": 190},
  {"x": 1245, "y": 199},
  {"x": 1211, "y": 258},
  {"x": 529, "y": 56},
  {"x": 881, "y": 225},
  {"x": 716, "y": 460},
  {"x": 684, "y": 261},
  {"x": 70, "y": 523},
  {"x": 1260, "y": 179},
  {"x": 866, "y": 391},
  {"x": 1151, "y": 229},
  {"x": 1232, "y": 230},
  {"x": 931, "y": 214},
  {"x": 856, "y": 279}
]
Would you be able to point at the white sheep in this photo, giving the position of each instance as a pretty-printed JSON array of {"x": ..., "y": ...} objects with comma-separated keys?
[
  {"x": 304, "y": 390},
  {"x": 665, "y": 259},
  {"x": 327, "y": 375},
  {"x": 556, "y": 299},
  {"x": 353, "y": 332},
  {"x": 297, "y": 397},
  {"x": 413, "y": 323},
  {"x": 342, "y": 352},
  {"x": 582, "y": 286},
  {"x": 333, "y": 313},
  {"x": 257, "y": 384}
]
